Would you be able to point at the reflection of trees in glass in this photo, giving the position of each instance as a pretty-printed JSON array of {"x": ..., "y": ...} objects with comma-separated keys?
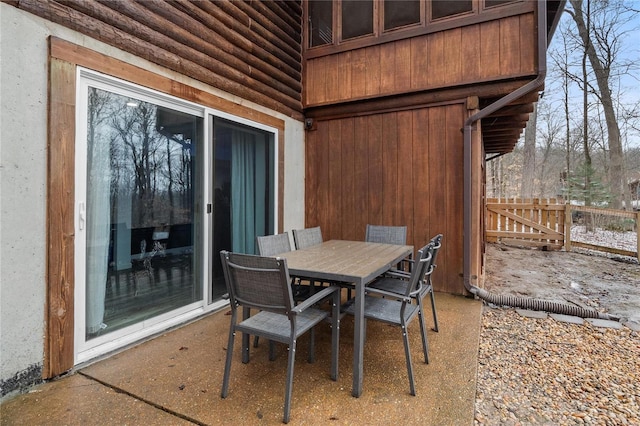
[
  {"x": 134, "y": 127},
  {"x": 150, "y": 163},
  {"x": 178, "y": 172}
]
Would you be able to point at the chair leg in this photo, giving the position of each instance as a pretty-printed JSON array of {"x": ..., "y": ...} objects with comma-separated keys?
[
  {"x": 407, "y": 353},
  {"x": 272, "y": 350},
  {"x": 423, "y": 332},
  {"x": 255, "y": 341},
  {"x": 335, "y": 335},
  {"x": 245, "y": 337},
  {"x": 312, "y": 345},
  {"x": 289, "y": 384},
  {"x": 227, "y": 364},
  {"x": 433, "y": 309}
]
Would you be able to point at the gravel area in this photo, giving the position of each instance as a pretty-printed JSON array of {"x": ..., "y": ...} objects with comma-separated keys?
[{"x": 547, "y": 372}]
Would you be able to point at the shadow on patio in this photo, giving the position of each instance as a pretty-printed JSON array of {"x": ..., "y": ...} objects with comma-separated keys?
[{"x": 176, "y": 379}]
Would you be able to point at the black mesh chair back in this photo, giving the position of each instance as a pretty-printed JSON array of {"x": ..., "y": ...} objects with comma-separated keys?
[
  {"x": 271, "y": 245},
  {"x": 257, "y": 282},
  {"x": 386, "y": 234},
  {"x": 307, "y": 237},
  {"x": 389, "y": 235}
]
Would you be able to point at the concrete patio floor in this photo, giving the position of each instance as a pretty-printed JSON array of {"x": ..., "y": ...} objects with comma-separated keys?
[{"x": 175, "y": 379}]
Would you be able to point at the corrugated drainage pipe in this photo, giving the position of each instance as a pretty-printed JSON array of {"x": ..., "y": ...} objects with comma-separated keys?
[{"x": 539, "y": 305}]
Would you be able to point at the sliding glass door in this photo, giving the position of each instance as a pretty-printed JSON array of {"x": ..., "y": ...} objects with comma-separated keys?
[
  {"x": 162, "y": 185},
  {"x": 138, "y": 255}
]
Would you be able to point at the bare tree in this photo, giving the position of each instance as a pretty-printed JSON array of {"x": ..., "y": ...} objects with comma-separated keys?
[
  {"x": 600, "y": 30},
  {"x": 549, "y": 135},
  {"x": 560, "y": 58},
  {"x": 136, "y": 128}
]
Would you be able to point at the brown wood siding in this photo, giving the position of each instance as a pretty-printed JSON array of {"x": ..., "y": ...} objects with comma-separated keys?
[
  {"x": 59, "y": 315},
  {"x": 483, "y": 52},
  {"x": 248, "y": 49},
  {"x": 395, "y": 168}
]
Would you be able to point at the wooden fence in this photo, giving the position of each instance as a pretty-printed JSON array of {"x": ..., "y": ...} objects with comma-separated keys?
[
  {"x": 547, "y": 223},
  {"x": 534, "y": 222},
  {"x": 610, "y": 221}
]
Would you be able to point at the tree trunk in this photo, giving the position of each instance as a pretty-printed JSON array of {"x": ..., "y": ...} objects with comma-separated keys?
[
  {"x": 616, "y": 169},
  {"x": 585, "y": 133}
]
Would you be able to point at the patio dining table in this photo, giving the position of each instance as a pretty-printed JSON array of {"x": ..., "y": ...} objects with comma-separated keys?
[{"x": 356, "y": 262}]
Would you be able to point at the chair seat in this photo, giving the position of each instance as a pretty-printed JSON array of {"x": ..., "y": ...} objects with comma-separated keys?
[
  {"x": 397, "y": 285},
  {"x": 278, "y": 327},
  {"x": 393, "y": 285},
  {"x": 384, "y": 310}
]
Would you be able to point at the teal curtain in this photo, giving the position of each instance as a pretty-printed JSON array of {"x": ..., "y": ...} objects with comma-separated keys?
[{"x": 248, "y": 189}]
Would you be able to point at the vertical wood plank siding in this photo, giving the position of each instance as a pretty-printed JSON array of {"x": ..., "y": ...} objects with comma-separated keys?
[
  {"x": 396, "y": 168},
  {"x": 248, "y": 49},
  {"x": 494, "y": 50},
  {"x": 59, "y": 315}
]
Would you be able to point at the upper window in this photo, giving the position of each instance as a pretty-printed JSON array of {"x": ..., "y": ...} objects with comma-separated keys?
[
  {"x": 331, "y": 23},
  {"x": 320, "y": 22},
  {"x": 357, "y": 18},
  {"x": 492, "y": 3},
  {"x": 446, "y": 8},
  {"x": 401, "y": 13}
]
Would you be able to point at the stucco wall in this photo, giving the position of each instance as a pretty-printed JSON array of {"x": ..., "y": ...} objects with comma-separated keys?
[{"x": 23, "y": 132}]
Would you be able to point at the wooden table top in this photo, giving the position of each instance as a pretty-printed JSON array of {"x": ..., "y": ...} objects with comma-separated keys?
[{"x": 346, "y": 261}]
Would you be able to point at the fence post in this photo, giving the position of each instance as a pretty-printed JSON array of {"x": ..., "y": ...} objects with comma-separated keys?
[{"x": 568, "y": 221}]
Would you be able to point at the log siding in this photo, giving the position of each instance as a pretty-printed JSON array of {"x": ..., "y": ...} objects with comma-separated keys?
[{"x": 248, "y": 49}]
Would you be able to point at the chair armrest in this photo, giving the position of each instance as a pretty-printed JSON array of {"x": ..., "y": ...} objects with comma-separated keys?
[
  {"x": 418, "y": 290},
  {"x": 395, "y": 273},
  {"x": 388, "y": 294},
  {"x": 317, "y": 297}
]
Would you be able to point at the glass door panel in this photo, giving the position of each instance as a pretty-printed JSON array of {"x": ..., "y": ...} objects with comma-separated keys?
[
  {"x": 243, "y": 185},
  {"x": 141, "y": 221}
]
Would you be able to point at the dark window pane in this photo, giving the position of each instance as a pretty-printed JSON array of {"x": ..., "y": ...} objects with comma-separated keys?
[
  {"x": 492, "y": 3},
  {"x": 357, "y": 18},
  {"x": 320, "y": 22},
  {"x": 398, "y": 13},
  {"x": 444, "y": 8}
]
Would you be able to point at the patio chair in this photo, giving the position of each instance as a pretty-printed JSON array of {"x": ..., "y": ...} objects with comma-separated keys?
[
  {"x": 257, "y": 282},
  {"x": 273, "y": 245},
  {"x": 307, "y": 237},
  {"x": 397, "y": 281},
  {"x": 388, "y": 235},
  {"x": 398, "y": 309}
]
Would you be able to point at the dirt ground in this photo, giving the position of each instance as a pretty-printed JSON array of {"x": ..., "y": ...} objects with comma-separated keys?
[{"x": 589, "y": 280}]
